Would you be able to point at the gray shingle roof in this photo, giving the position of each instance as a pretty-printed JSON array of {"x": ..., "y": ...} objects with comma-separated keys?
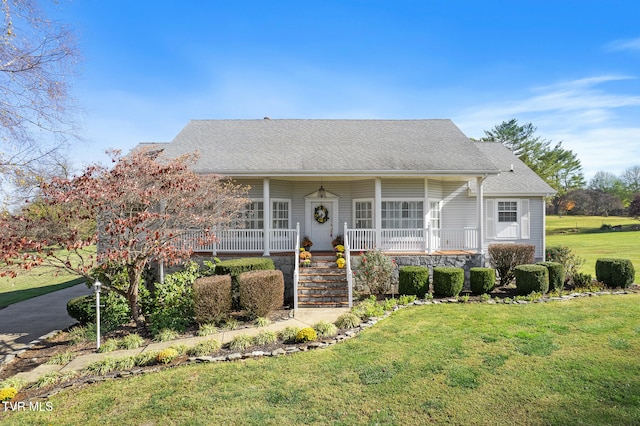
[
  {"x": 339, "y": 147},
  {"x": 521, "y": 181}
]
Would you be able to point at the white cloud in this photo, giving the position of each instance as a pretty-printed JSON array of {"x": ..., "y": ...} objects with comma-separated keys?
[{"x": 632, "y": 44}]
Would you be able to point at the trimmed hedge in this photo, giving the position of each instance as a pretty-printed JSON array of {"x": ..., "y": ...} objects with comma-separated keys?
[
  {"x": 261, "y": 292},
  {"x": 447, "y": 281},
  {"x": 235, "y": 267},
  {"x": 82, "y": 309},
  {"x": 212, "y": 298},
  {"x": 531, "y": 278},
  {"x": 413, "y": 280},
  {"x": 615, "y": 272},
  {"x": 556, "y": 274},
  {"x": 482, "y": 280}
]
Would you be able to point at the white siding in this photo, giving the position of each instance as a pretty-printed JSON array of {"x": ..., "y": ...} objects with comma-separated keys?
[
  {"x": 458, "y": 209},
  {"x": 402, "y": 188},
  {"x": 536, "y": 224}
]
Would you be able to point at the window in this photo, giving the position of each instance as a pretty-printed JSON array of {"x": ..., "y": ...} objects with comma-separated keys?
[
  {"x": 402, "y": 214},
  {"x": 363, "y": 214},
  {"x": 435, "y": 214},
  {"x": 253, "y": 215},
  {"x": 507, "y": 211},
  {"x": 280, "y": 214}
]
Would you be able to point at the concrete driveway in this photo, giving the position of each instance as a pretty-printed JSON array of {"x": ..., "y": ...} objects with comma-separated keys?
[{"x": 24, "y": 322}]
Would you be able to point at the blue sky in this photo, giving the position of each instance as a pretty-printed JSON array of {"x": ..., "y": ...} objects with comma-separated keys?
[{"x": 570, "y": 67}]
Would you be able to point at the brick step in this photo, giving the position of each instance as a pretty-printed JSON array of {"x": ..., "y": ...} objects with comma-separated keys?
[
  {"x": 323, "y": 304},
  {"x": 319, "y": 291},
  {"x": 322, "y": 278}
]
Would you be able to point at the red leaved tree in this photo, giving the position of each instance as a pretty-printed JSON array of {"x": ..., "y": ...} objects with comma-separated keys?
[{"x": 143, "y": 207}]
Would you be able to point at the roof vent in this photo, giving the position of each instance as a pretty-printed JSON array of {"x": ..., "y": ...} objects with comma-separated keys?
[{"x": 267, "y": 118}]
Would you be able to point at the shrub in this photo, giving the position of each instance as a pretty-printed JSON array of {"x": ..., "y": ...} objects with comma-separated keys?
[
  {"x": 569, "y": 260},
  {"x": 235, "y": 267},
  {"x": 615, "y": 272},
  {"x": 413, "y": 280},
  {"x": 181, "y": 348},
  {"x": 447, "y": 281},
  {"x": 556, "y": 275},
  {"x": 240, "y": 342},
  {"x": 109, "y": 345},
  {"x": 172, "y": 302},
  {"x": 82, "y": 334},
  {"x": 505, "y": 257},
  {"x": 261, "y": 292},
  {"x": 103, "y": 366},
  {"x": 389, "y": 304},
  {"x": 146, "y": 358},
  {"x": 265, "y": 337},
  {"x": 368, "y": 308},
  {"x": 62, "y": 358},
  {"x": 212, "y": 298},
  {"x": 165, "y": 335},
  {"x": 374, "y": 271},
  {"x": 8, "y": 393},
  {"x": 348, "y": 320},
  {"x": 207, "y": 330},
  {"x": 82, "y": 309},
  {"x": 131, "y": 341},
  {"x": 205, "y": 347},
  {"x": 288, "y": 334},
  {"x": 262, "y": 322},
  {"x": 531, "y": 278},
  {"x": 482, "y": 280},
  {"x": 306, "y": 334},
  {"x": 167, "y": 355},
  {"x": 582, "y": 280},
  {"x": 325, "y": 329},
  {"x": 406, "y": 299}
]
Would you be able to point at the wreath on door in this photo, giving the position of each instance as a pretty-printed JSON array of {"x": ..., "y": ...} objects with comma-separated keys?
[{"x": 321, "y": 214}]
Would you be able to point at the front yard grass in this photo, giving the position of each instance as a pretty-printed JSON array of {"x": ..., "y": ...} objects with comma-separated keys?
[
  {"x": 34, "y": 283},
  {"x": 569, "y": 362}
]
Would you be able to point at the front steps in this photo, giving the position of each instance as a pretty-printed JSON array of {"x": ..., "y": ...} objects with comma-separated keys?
[{"x": 323, "y": 284}]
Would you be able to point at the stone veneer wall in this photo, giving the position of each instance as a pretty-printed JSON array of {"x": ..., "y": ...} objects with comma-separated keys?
[
  {"x": 285, "y": 263},
  {"x": 466, "y": 262}
]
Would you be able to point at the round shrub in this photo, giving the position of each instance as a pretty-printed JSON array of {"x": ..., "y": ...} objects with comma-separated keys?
[
  {"x": 615, "y": 272},
  {"x": 447, "y": 281},
  {"x": 212, "y": 298},
  {"x": 306, "y": 334},
  {"x": 167, "y": 355},
  {"x": 531, "y": 278},
  {"x": 413, "y": 280},
  {"x": 325, "y": 329},
  {"x": 348, "y": 320},
  {"x": 556, "y": 274},
  {"x": 82, "y": 309},
  {"x": 482, "y": 280}
]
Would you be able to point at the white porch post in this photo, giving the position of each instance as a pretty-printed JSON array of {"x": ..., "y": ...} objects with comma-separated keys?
[
  {"x": 266, "y": 202},
  {"x": 480, "y": 211},
  {"x": 378, "y": 211},
  {"x": 427, "y": 217}
]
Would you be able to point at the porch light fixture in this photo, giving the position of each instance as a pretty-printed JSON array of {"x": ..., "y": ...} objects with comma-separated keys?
[{"x": 322, "y": 192}]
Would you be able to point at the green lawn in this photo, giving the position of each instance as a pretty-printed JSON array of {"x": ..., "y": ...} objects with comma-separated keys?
[
  {"x": 32, "y": 284},
  {"x": 557, "y": 363},
  {"x": 583, "y": 235}
]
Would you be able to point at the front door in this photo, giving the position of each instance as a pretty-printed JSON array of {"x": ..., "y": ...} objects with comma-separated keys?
[{"x": 322, "y": 220}]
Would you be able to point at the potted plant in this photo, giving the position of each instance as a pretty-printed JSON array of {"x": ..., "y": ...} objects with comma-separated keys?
[{"x": 307, "y": 243}]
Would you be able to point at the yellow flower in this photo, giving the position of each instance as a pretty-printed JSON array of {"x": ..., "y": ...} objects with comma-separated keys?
[
  {"x": 7, "y": 394},
  {"x": 341, "y": 262}
]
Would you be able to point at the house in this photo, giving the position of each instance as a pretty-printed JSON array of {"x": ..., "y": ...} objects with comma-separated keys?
[{"x": 418, "y": 189}]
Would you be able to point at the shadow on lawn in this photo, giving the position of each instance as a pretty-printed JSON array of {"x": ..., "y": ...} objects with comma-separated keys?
[{"x": 16, "y": 296}]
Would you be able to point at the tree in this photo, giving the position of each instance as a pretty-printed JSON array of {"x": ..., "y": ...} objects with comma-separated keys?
[
  {"x": 37, "y": 57},
  {"x": 630, "y": 179},
  {"x": 634, "y": 206},
  {"x": 144, "y": 207},
  {"x": 559, "y": 167},
  {"x": 593, "y": 202}
]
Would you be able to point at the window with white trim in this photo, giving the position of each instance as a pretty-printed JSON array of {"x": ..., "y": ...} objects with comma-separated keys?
[
  {"x": 253, "y": 215},
  {"x": 280, "y": 214},
  {"x": 402, "y": 214},
  {"x": 363, "y": 214},
  {"x": 507, "y": 211}
]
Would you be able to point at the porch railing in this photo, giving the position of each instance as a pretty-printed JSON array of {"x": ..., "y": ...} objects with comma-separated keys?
[
  {"x": 428, "y": 240},
  {"x": 241, "y": 241}
]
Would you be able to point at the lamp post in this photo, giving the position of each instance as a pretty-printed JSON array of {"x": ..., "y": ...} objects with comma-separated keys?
[{"x": 96, "y": 288}]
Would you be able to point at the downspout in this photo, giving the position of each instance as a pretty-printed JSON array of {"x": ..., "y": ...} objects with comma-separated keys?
[
  {"x": 480, "y": 212},
  {"x": 378, "y": 211}
]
